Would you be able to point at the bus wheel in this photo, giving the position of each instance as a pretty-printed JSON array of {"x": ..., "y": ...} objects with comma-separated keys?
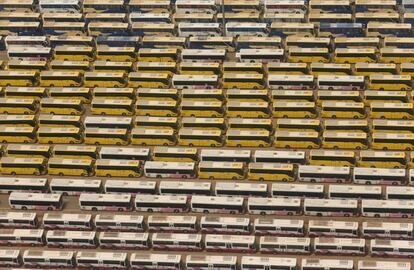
[
  {"x": 234, "y": 178},
  {"x": 36, "y": 173},
  {"x": 284, "y": 180},
  {"x": 184, "y": 176},
  {"x": 5, "y": 141},
  {"x": 238, "y": 145},
  {"x": 377, "y": 215},
  {"x": 319, "y": 214},
  {"x": 50, "y": 208},
  {"x": 205, "y": 211},
  {"x": 211, "y": 177},
  {"x": 13, "y": 173},
  {"x": 108, "y": 175},
  {"x": 61, "y": 174},
  {"x": 404, "y": 216},
  {"x": 150, "y": 210},
  {"x": 261, "y": 179},
  {"x": 176, "y": 211},
  {"x": 96, "y": 143},
  {"x": 261, "y": 145},
  {"x": 232, "y": 212},
  {"x": 130, "y": 175},
  {"x": 24, "y": 207},
  {"x": 263, "y": 213},
  {"x": 358, "y": 148},
  {"x": 191, "y": 144},
  {"x": 290, "y": 214},
  {"x": 120, "y": 209},
  {"x": 50, "y": 142},
  {"x": 165, "y": 144},
  {"x": 94, "y": 209},
  {"x": 213, "y": 145}
]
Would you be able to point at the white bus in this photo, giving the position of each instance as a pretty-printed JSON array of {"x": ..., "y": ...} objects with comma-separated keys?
[
  {"x": 161, "y": 203},
  {"x": 274, "y": 206},
  {"x": 327, "y": 264},
  {"x": 387, "y": 208},
  {"x": 213, "y": 204},
  {"x": 383, "y": 265},
  {"x": 195, "y": 6},
  {"x": 309, "y": 173},
  {"x": 132, "y": 187},
  {"x": 117, "y": 222},
  {"x": 10, "y": 184},
  {"x": 225, "y": 225},
  {"x": 10, "y": 257},
  {"x": 333, "y": 228},
  {"x": 399, "y": 193},
  {"x": 155, "y": 261},
  {"x": 260, "y": 55},
  {"x": 378, "y": 176},
  {"x": 66, "y": 186},
  {"x": 65, "y": 239},
  {"x": 296, "y": 157},
  {"x": 282, "y": 245},
  {"x": 228, "y": 155},
  {"x": 354, "y": 192},
  {"x": 23, "y": 220},
  {"x": 394, "y": 248},
  {"x": 208, "y": 262},
  {"x": 264, "y": 263},
  {"x": 130, "y": 240},
  {"x": 297, "y": 190},
  {"x": 183, "y": 224},
  {"x": 39, "y": 201},
  {"x": 339, "y": 246},
  {"x": 110, "y": 260},
  {"x": 187, "y": 29},
  {"x": 133, "y": 153},
  {"x": 106, "y": 202},
  {"x": 184, "y": 188},
  {"x": 330, "y": 207},
  {"x": 230, "y": 243},
  {"x": 162, "y": 169},
  {"x": 176, "y": 241},
  {"x": 236, "y": 29},
  {"x": 240, "y": 189},
  {"x": 48, "y": 259},
  {"x": 67, "y": 221},
  {"x": 393, "y": 230},
  {"x": 277, "y": 226},
  {"x": 21, "y": 237}
]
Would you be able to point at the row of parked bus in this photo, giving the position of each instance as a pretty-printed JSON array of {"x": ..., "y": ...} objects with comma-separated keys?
[
  {"x": 207, "y": 225},
  {"x": 162, "y": 261}
]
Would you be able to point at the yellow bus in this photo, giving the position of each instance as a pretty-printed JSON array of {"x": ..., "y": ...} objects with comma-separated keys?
[
  {"x": 26, "y": 65},
  {"x": 382, "y": 159},
  {"x": 396, "y": 55},
  {"x": 204, "y": 123},
  {"x": 199, "y": 68},
  {"x": 106, "y": 136},
  {"x": 18, "y": 120},
  {"x": 298, "y": 124},
  {"x": 340, "y": 158},
  {"x": 251, "y": 95},
  {"x": 248, "y": 138},
  {"x": 344, "y": 140},
  {"x": 266, "y": 171},
  {"x": 74, "y": 53},
  {"x": 11, "y": 134},
  {"x": 243, "y": 81},
  {"x": 392, "y": 110},
  {"x": 50, "y": 120},
  {"x": 385, "y": 96},
  {"x": 158, "y": 55},
  {"x": 317, "y": 69},
  {"x": 204, "y": 94},
  {"x": 114, "y": 93},
  {"x": 110, "y": 53},
  {"x": 221, "y": 170},
  {"x": 313, "y": 42},
  {"x": 150, "y": 80},
  {"x": 200, "y": 137},
  {"x": 36, "y": 93},
  {"x": 392, "y": 141},
  {"x": 118, "y": 168},
  {"x": 292, "y": 95},
  {"x": 248, "y": 109},
  {"x": 157, "y": 122},
  {"x": 169, "y": 94},
  {"x": 157, "y": 67},
  {"x": 287, "y": 68},
  {"x": 296, "y": 139},
  {"x": 342, "y": 109},
  {"x": 75, "y": 151},
  {"x": 346, "y": 124},
  {"x": 152, "y": 136},
  {"x": 104, "y": 79},
  {"x": 104, "y": 106},
  {"x": 156, "y": 107},
  {"x": 407, "y": 69},
  {"x": 308, "y": 55},
  {"x": 197, "y": 108},
  {"x": 18, "y": 105},
  {"x": 70, "y": 167},
  {"x": 28, "y": 150},
  {"x": 60, "y": 78},
  {"x": 22, "y": 165},
  {"x": 61, "y": 106},
  {"x": 82, "y": 93},
  {"x": 60, "y": 65},
  {"x": 367, "y": 69},
  {"x": 291, "y": 109},
  {"x": 338, "y": 96},
  {"x": 112, "y": 66},
  {"x": 17, "y": 78},
  {"x": 357, "y": 42},
  {"x": 355, "y": 55},
  {"x": 243, "y": 68},
  {"x": 55, "y": 135},
  {"x": 394, "y": 126},
  {"x": 390, "y": 82}
]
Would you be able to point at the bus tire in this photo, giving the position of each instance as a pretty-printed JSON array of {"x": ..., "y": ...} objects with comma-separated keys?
[
  {"x": 261, "y": 145},
  {"x": 120, "y": 209},
  {"x": 5, "y": 141},
  {"x": 61, "y": 174},
  {"x": 289, "y": 213},
  {"x": 238, "y": 145},
  {"x": 205, "y": 211},
  {"x": 184, "y": 177},
  {"x": 234, "y": 178},
  {"x": 377, "y": 215},
  {"x": 211, "y": 177},
  {"x": 96, "y": 143},
  {"x": 261, "y": 179},
  {"x": 108, "y": 175},
  {"x": 358, "y": 148},
  {"x": 263, "y": 213},
  {"x": 130, "y": 175},
  {"x": 94, "y": 209},
  {"x": 150, "y": 210},
  {"x": 232, "y": 212},
  {"x": 213, "y": 145},
  {"x": 319, "y": 214},
  {"x": 50, "y": 142},
  {"x": 176, "y": 211},
  {"x": 404, "y": 216},
  {"x": 284, "y": 180},
  {"x": 191, "y": 144},
  {"x": 13, "y": 173},
  {"x": 24, "y": 208}
]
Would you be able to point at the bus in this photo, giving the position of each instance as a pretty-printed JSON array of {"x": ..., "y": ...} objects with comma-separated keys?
[
  {"x": 74, "y": 187},
  {"x": 225, "y": 155},
  {"x": 317, "y": 68},
  {"x": 199, "y": 68},
  {"x": 41, "y": 201},
  {"x": 169, "y": 94},
  {"x": 56, "y": 135},
  {"x": 203, "y": 55},
  {"x": 294, "y": 109},
  {"x": 204, "y": 123},
  {"x": 296, "y": 139},
  {"x": 102, "y": 65},
  {"x": 221, "y": 170},
  {"x": 327, "y": 174},
  {"x": 382, "y": 159},
  {"x": 146, "y": 79},
  {"x": 354, "y": 192},
  {"x": 230, "y": 243},
  {"x": 36, "y": 93},
  {"x": 225, "y": 225},
  {"x": 340, "y": 82},
  {"x": 293, "y": 95},
  {"x": 10, "y": 27},
  {"x": 176, "y": 241},
  {"x": 332, "y": 158},
  {"x": 61, "y": 106},
  {"x": 155, "y": 122},
  {"x": 331, "y": 207},
  {"x": 124, "y": 240},
  {"x": 88, "y": 260},
  {"x": 403, "y": 126},
  {"x": 399, "y": 192},
  {"x": 67, "y": 221},
  {"x": 246, "y": 109},
  {"x": 297, "y": 190},
  {"x": 345, "y": 140},
  {"x": 355, "y": 55},
  {"x": 74, "y": 53},
  {"x": 160, "y": 169},
  {"x": 282, "y": 227},
  {"x": 21, "y": 166},
  {"x": 392, "y": 110},
  {"x": 392, "y": 248},
  {"x": 109, "y": 53},
  {"x": 34, "y": 185},
  {"x": 104, "y": 79},
  {"x": 332, "y": 228},
  {"x": 78, "y": 151},
  {"x": 243, "y": 81},
  {"x": 132, "y": 187},
  {"x": 159, "y": 42},
  {"x": 240, "y": 189},
  {"x": 10, "y": 258},
  {"x": 307, "y": 55},
  {"x": 117, "y": 168},
  {"x": 56, "y": 28},
  {"x": 158, "y": 55},
  {"x": 283, "y": 245},
  {"x": 118, "y": 222},
  {"x": 155, "y": 261},
  {"x": 187, "y": 29},
  {"x": 22, "y": 237},
  {"x": 24, "y": 150},
  {"x": 339, "y": 246},
  {"x": 114, "y": 93},
  {"x": 295, "y": 157},
  {"x": 202, "y": 6},
  {"x": 17, "y": 120},
  {"x": 10, "y": 134},
  {"x": 195, "y": 262},
  {"x": 195, "y": 108},
  {"x": 205, "y": 42},
  {"x": 199, "y": 137},
  {"x": 112, "y": 106},
  {"x": 384, "y": 29},
  {"x": 389, "y": 82},
  {"x": 248, "y": 138},
  {"x": 82, "y": 93},
  {"x": 329, "y": 264},
  {"x": 22, "y": 220},
  {"x": 260, "y": 55},
  {"x": 192, "y": 81},
  {"x": 25, "y": 65},
  {"x": 72, "y": 239},
  {"x": 161, "y": 203},
  {"x": 108, "y": 152},
  {"x": 184, "y": 188},
  {"x": 396, "y": 55},
  {"x": 249, "y": 124},
  {"x": 274, "y": 206},
  {"x": 156, "y": 107},
  {"x": 18, "y": 78},
  {"x": 104, "y": 136},
  {"x": 219, "y": 204},
  {"x": 387, "y": 208},
  {"x": 18, "y": 105},
  {"x": 157, "y": 67},
  {"x": 366, "y": 69},
  {"x": 48, "y": 259},
  {"x": 105, "y": 202},
  {"x": 260, "y": 262},
  {"x": 73, "y": 40},
  {"x": 385, "y": 96},
  {"x": 182, "y": 224},
  {"x": 70, "y": 167},
  {"x": 174, "y": 154},
  {"x": 379, "y": 265},
  {"x": 342, "y": 109},
  {"x": 236, "y": 29},
  {"x": 270, "y": 171},
  {"x": 96, "y": 29},
  {"x": 393, "y": 230}
]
